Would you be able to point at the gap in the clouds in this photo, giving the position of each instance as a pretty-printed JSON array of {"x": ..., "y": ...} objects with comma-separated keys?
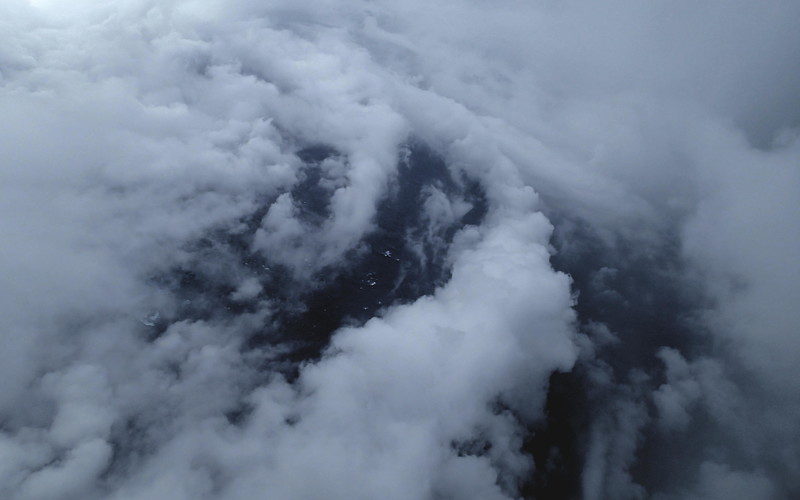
[
  {"x": 637, "y": 289},
  {"x": 636, "y": 292},
  {"x": 555, "y": 444},
  {"x": 312, "y": 195},
  {"x": 402, "y": 259}
]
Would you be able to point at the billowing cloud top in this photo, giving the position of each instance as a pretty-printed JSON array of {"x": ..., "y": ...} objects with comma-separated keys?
[{"x": 362, "y": 249}]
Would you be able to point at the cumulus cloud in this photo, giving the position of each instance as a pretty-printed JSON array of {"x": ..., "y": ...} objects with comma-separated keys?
[{"x": 211, "y": 212}]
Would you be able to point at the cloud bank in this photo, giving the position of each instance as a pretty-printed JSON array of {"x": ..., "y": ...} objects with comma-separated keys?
[{"x": 416, "y": 251}]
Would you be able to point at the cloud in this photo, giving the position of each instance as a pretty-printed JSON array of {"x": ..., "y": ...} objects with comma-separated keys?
[{"x": 185, "y": 183}]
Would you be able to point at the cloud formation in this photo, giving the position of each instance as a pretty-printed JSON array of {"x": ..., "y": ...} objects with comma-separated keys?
[{"x": 338, "y": 250}]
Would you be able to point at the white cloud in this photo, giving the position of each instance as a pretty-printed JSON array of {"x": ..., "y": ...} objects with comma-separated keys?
[{"x": 133, "y": 130}]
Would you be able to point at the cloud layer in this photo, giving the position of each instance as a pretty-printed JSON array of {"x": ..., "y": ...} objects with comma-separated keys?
[{"x": 339, "y": 249}]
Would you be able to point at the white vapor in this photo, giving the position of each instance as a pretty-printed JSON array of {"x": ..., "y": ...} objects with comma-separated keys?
[{"x": 139, "y": 136}]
